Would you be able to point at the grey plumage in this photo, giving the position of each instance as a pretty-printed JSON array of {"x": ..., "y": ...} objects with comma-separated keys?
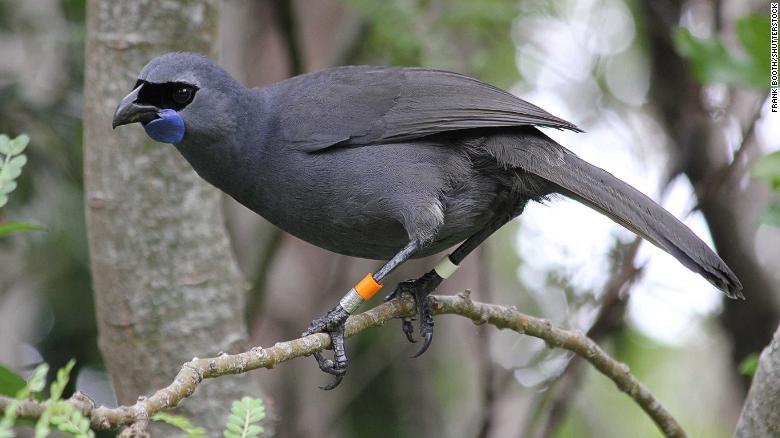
[{"x": 361, "y": 160}]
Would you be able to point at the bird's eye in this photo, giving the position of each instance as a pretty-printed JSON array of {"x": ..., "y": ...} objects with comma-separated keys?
[{"x": 181, "y": 94}]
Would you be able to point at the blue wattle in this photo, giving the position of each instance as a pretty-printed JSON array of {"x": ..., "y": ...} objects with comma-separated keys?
[{"x": 168, "y": 128}]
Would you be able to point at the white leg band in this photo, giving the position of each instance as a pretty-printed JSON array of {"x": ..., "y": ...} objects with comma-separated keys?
[{"x": 445, "y": 267}]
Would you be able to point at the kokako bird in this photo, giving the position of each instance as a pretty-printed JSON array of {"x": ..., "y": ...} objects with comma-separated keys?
[{"x": 387, "y": 164}]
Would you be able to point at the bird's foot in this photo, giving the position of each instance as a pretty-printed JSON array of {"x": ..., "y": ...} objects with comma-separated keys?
[
  {"x": 332, "y": 323},
  {"x": 419, "y": 289}
]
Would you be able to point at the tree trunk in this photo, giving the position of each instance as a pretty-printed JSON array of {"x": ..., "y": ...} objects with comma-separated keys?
[
  {"x": 167, "y": 287},
  {"x": 761, "y": 413}
]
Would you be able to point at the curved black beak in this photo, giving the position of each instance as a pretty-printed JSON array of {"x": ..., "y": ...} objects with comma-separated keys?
[{"x": 129, "y": 111}]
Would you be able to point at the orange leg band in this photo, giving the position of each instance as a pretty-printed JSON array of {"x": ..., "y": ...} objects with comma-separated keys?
[{"x": 368, "y": 287}]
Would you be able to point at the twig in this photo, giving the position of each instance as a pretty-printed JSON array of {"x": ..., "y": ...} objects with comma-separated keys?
[
  {"x": 610, "y": 318},
  {"x": 734, "y": 168},
  {"x": 193, "y": 372}
]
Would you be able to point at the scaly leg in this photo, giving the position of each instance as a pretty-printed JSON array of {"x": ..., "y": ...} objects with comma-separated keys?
[
  {"x": 333, "y": 321},
  {"x": 425, "y": 285}
]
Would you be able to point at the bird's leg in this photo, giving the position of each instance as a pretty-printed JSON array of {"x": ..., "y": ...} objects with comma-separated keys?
[
  {"x": 333, "y": 321},
  {"x": 405, "y": 287},
  {"x": 333, "y": 324},
  {"x": 419, "y": 289},
  {"x": 425, "y": 285}
]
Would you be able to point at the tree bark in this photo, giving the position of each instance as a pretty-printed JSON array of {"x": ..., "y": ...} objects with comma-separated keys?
[
  {"x": 761, "y": 412},
  {"x": 167, "y": 287}
]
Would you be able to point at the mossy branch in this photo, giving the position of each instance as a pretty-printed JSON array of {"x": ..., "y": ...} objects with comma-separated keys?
[{"x": 195, "y": 371}]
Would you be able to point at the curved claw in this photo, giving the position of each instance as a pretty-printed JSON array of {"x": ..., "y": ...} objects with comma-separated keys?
[
  {"x": 406, "y": 323},
  {"x": 408, "y": 329},
  {"x": 427, "y": 338},
  {"x": 328, "y": 366},
  {"x": 332, "y": 324},
  {"x": 336, "y": 382}
]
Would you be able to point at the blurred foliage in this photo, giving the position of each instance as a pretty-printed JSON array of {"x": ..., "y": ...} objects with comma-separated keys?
[
  {"x": 63, "y": 416},
  {"x": 33, "y": 385},
  {"x": 14, "y": 227},
  {"x": 461, "y": 35},
  {"x": 662, "y": 369},
  {"x": 181, "y": 423},
  {"x": 768, "y": 170},
  {"x": 50, "y": 189},
  {"x": 12, "y": 160},
  {"x": 711, "y": 62},
  {"x": 10, "y": 382},
  {"x": 244, "y": 420},
  {"x": 245, "y": 417},
  {"x": 771, "y": 215},
  {"x": 749, "y": 365}
]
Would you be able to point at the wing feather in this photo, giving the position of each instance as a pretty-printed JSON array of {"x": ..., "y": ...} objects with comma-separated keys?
[{"x": 365, "y": 105}]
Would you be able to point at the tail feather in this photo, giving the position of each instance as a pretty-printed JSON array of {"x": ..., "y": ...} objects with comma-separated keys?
[{"x": 600, "y": 190}]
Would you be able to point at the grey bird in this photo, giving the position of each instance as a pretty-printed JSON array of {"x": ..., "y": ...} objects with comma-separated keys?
[{"x": 386, "y": 164}]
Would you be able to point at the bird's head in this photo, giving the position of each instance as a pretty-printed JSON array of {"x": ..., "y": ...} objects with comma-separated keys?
[{"x": 180, "y": 94}]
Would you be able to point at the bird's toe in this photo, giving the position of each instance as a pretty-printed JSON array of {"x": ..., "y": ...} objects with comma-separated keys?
[{"x": 332, "y": 323}]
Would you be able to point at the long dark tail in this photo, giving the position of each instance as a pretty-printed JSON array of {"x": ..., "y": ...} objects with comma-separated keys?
[{"x": 600, "y": 190}]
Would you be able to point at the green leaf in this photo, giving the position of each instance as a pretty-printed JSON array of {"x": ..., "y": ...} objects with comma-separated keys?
[
  {"x": 749, "y": 365},
  {"x": 15, "y": 227},
  {"x": 37, "y": 380},
  {"x": 254, "y": 430},
  {"x": 59, "y": 384},
  {"x": 181, "y": 423},
  {"x": 8, "y": 420},
  {"x": 7, "y": 187},
  {"x": 5, "y": 144},
  {"x": 6, "y": 431},
  {"x": 15, "y": 146},
  {"x": 18, "y": 144},
  {"x": 753, "y": 35},
  {"x": 768, "y": 169},
  {"x": 11, "y": 164},
  {"x": 42, "y": 428},
  {"x": 10, "y": 382},
  {"x": 69, "y": 420},
  {"x": 176, "y": 421},
  {"x": 711, "y": 62},
  {"x": 244, "y": 414},
  {"x": 13, "y": 168}
]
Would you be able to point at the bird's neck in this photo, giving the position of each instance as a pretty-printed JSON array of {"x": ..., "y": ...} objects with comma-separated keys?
[{"x": 235, "y": 161}]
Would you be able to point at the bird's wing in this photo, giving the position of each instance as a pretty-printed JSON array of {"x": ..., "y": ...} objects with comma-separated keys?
[{"x": 365, "y": 105}]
